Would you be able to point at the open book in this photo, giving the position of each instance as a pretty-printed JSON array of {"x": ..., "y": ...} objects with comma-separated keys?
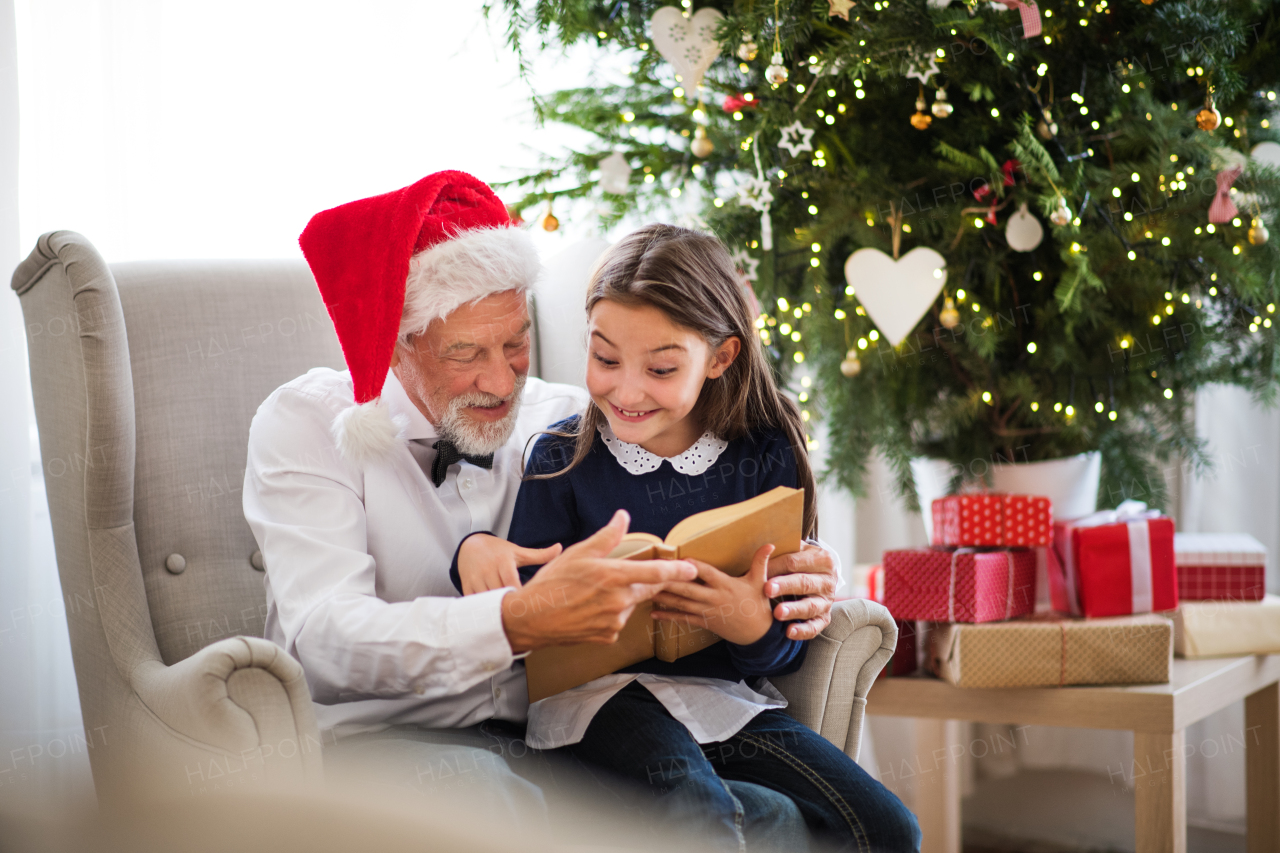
[{"x": 727, "y": 537}]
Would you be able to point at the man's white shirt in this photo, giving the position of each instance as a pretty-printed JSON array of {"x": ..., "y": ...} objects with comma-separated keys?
[{"x": 358, "y": 555}]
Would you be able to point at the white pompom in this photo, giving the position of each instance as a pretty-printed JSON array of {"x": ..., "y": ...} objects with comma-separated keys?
[{"x": 366, "y": 432}]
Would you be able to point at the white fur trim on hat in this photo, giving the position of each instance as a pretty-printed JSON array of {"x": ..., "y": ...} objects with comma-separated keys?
[
  {"x": 470, "y": 266},
  {"x": 367, "y": 432}
]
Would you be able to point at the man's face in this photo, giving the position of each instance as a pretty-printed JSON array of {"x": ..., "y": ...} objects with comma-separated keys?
[{"x": 465, "y": 372}]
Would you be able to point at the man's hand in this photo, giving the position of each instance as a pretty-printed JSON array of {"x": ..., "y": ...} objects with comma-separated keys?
[
  {"x": 486, "y": 562},
  {"x": 811, "y": 574},
  {"x": 584, "y": 597},
  {"x": 734, "y": 609}
]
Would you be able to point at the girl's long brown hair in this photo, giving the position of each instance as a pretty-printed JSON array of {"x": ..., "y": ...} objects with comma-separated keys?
[{"x": 690, "y": 278}]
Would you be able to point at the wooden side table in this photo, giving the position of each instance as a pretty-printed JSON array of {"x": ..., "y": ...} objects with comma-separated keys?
[{"x": 1157, "y": 714}]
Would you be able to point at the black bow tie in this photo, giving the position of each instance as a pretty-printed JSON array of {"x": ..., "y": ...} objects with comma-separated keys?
[{"x": 447, "y": 454}]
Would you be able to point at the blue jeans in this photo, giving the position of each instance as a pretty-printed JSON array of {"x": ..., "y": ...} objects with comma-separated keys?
[
  {"x": 490, "y": 766},
  {"x": 634, "y": 738}
]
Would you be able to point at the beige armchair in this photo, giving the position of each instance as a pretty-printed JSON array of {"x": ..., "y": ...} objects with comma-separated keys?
[{"x": 146, "y": 377}]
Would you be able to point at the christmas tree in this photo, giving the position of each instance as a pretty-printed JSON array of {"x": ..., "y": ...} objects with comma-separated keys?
[{"x": 1072, "y": 193}]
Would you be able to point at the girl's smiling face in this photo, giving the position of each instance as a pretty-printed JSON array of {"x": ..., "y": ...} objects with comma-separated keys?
[{"x": 645, "y": 373}]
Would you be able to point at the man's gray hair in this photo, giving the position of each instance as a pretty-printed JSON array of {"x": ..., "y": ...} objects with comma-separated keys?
[{"x": 466, "y": 268}]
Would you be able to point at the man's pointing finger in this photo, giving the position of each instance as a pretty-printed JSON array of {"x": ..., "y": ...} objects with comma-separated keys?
[{"x": 605, "y": 539}]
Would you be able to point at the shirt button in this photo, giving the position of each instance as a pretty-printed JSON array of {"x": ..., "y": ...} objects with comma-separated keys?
[
  {"x": 420, "y": 690},
  {"x": 489, "y": 666},
  {"x": 497, "y": 693},
  {"x": 467, "y": 483}
]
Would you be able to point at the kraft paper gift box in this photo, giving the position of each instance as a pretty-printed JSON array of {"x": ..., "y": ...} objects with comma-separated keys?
[
  {"x": 1043, "y": 651},
  {"x": 1114, "y": 563},
  {"x": 1220, "y": 567},
  {"x": 993, "y": 519},
  {"x": 964, "y": 585},
  {"x": 1206, "y": 629}
]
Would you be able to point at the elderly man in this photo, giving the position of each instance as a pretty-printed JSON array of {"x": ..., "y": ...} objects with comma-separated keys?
[{"x": 361, "y": 484}]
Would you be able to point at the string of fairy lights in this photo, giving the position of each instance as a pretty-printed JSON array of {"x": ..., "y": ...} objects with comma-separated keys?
[{"x": 784, "y": 324}]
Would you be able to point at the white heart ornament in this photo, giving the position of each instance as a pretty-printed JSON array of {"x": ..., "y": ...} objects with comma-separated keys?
[
  {"x": 1267, "y": 153},
  {"x": 896, "y": 294},
  {"x": 687, "y": 43},
  {"x": 1023, "y": 232}
]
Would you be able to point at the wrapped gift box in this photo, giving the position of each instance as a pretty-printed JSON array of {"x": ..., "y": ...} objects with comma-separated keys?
[
  {"x": 987, "y": 519},
  {"x": 948, "y": 585},
  {"x": 1114, "y": 563},
  {"x": 1206, "y": 629},
  {"x": 908, "y": 655},
  {"x": 1052, "y": 652},
  {"x": 1220, "y": 566},
  {"x": 866, "y": 580}
]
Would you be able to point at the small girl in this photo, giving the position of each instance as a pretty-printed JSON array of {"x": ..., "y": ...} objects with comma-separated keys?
[{"x": 684, "y": 417}]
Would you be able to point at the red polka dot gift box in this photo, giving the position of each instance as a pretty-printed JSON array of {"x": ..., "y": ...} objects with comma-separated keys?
[
  {"x": 959, "y": 585},
  {"x": 992, "y": 519},
  {"x": 1220, "y": 567}
]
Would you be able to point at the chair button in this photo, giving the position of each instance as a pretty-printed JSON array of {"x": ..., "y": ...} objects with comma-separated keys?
[
  {"x": 257, "y": 562},
  {"x": 175, "y": 563}
]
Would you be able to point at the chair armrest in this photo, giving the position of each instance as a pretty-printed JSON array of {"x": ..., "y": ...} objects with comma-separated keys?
[
  {"x": 244, "y": 697},
  {"x": 829, "y": 693}
]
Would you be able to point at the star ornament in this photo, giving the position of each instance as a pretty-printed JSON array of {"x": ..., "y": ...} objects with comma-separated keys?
[
  {"x": 839, "y": 8},
  {"x": 747, "y": 265},
  {"x": 796, "y": 138},
  {"x": 756, "y": 193},
  {"x": 923, "y": 72}
]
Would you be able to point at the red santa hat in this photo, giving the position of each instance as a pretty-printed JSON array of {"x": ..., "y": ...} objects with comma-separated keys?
[{"x": 451, "y": 235}]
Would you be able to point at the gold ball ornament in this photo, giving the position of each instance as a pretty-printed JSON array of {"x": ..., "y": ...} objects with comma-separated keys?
[
  {"x": 1061, "y": 214},
  {"x": 776, "y": 73},
  {"x": 748, "y": 50},
  {"x": 921, "y": 120},
  {"x": 949, "y": 317},
  {"x": 701, "y": 145},
  {"x": 1258, "y": 235},
  {"x": 1148, "y": 2},
  {"x": 1208, "y": 118},
  {"x": 1047, "y": 128},
  {"x": 851, "y": 367},
  {"x": 549, "y": 221},
  {"x": 942, "y": 107}
]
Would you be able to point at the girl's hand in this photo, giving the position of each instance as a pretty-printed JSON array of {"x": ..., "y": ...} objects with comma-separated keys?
[
  {"x": 486, "y": 562},
  {"x": 735, "y": 609}
]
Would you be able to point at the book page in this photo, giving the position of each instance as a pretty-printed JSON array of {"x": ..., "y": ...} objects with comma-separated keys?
[{"x": 702, "y": 522}]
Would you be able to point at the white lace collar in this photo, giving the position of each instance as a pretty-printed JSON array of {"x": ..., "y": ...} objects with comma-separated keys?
[{"x": 694, "y": 461}]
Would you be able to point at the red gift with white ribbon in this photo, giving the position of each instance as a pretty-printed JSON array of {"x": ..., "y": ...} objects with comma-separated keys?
[
  {"x": 961, "y": 585},
  {"x": 1114, "y": 563}
]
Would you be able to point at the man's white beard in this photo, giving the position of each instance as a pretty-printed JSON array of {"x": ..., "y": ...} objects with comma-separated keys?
[{"x": 479, "y": 438}]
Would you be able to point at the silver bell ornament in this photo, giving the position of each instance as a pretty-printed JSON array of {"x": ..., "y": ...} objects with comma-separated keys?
[
  {"x": 1061, "y": 214},
  {"x": 776, "y": 73},
  {"x": 942, "y": 107},
  {"x": 1258, "y": 235},
  {"x": 748, "y": 50},
  {"x": 851, "y": 367}
]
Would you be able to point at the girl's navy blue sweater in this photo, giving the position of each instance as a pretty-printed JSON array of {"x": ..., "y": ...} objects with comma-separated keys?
[{"x": 573, "y": 506}]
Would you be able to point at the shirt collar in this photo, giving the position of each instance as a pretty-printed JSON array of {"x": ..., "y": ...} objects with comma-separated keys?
[
  {"x": 636, "y": 460},
  {"x": 400, "y": 405}
]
